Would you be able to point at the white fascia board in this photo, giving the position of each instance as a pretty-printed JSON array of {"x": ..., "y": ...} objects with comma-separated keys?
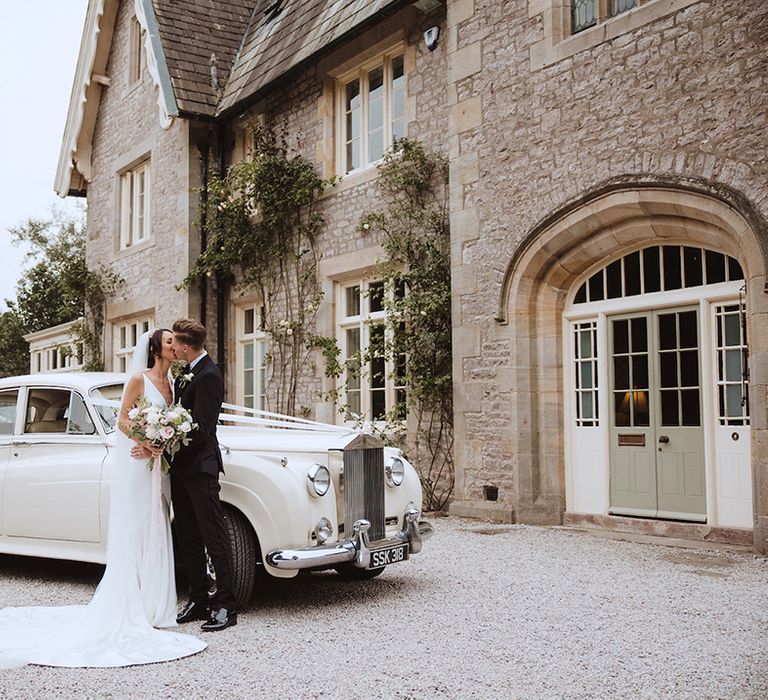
[
  {"x": 85, "y": 59},
  {"x": 156, "y": 63}
]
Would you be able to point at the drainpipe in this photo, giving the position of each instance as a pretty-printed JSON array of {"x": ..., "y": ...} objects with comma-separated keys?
[
  {"x": 203, "y": 284},
  {"x": 221, "y": 282}
]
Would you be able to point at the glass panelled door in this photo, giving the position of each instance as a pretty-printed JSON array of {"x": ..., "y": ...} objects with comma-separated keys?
[{"x": 656, "y": 433}]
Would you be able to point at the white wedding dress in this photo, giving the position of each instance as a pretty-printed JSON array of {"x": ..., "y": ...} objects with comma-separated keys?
[{"x": 136, "y": 595}]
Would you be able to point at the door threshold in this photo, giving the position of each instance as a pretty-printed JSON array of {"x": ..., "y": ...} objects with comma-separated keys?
[{"x": 665, "y": 531}]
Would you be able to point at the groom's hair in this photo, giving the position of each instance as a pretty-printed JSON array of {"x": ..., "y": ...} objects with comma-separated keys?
[{"x": 189, "y": 332}]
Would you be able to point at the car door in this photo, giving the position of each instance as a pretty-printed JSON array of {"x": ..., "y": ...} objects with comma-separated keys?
[
  {"x": 52, "y": 483},
  {"x": 8, "y": 404}
]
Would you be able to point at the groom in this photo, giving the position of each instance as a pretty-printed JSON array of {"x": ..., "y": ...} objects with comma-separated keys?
[{"x": 195, "y": 487}]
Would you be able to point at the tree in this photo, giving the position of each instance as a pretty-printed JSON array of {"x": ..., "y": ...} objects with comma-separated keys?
[
  {"x": 53, "y": 290},
  {"x": 59, "y": 287},
  {"x": 14, "y": 351}
]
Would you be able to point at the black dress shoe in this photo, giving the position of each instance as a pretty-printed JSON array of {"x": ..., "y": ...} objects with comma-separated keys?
[
  {"x": 220, "y": 619},
  {"x": 193, "y": 611}
]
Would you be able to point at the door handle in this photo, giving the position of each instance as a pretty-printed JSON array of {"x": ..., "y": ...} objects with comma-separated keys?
[
  {"x": 663, "y": 439},
  {"x": 19, "y": 443}
]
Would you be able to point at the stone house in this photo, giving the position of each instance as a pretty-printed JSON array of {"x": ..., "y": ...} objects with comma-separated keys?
[{"x": 608, "y": 202}]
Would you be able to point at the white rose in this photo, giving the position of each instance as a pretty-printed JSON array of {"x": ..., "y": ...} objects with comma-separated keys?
[
  {"x": 185, "y": 427},
  {"x": 167, "y": 432},
  {"x": 152, "y": 433},
  {"x": 133, "y": 414}
]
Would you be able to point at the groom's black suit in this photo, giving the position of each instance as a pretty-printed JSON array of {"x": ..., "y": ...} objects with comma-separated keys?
[{"x": 199, "y": 517}]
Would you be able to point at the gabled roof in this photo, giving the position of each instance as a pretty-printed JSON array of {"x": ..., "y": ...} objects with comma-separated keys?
[
  {"x": 191, "y": 32},
  {"x": 271, "y": 47},
  {"x": 255, "y": 42}
]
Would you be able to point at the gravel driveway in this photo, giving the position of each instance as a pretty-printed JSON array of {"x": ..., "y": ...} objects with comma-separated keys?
[{"x": 485, "y": 611}]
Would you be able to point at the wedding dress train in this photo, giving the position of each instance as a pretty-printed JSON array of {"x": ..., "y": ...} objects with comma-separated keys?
[{"x": 136, "y": 594}]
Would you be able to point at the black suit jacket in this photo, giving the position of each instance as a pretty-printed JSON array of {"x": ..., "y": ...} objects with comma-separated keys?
[{"x": 202, "y": 397}]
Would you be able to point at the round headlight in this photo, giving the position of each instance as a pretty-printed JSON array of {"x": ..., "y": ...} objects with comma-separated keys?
[
  {"x": 318, "y": 480},
  {"x": 323, "y": 530},
  {"x": 395, "y": 471}
]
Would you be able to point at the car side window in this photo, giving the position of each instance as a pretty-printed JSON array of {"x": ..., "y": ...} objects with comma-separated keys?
[
  {"x": 8, "y": 400},
  {"x": 57, "y": 411}
]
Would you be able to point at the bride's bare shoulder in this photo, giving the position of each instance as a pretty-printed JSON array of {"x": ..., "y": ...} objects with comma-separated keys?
[{"x": 136, "y": 380}]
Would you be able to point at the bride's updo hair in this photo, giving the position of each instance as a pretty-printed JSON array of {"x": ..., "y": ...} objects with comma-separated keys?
[{"x": 155, "y": 346}]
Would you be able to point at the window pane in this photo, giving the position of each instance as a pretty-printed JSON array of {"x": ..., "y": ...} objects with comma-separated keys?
[
  {"x": 581, "y": 295},
  {"x": 621, "y": 403},
  {"x": 352, "y": 301},
  {"x": 8, "y": 400},
  {"x": 47, "y": 411},
  {"x": 79, "y": 422},
  {"x": 586, "y": 405},
  {"x": 733, "y": 400},
  {"x": 248, "y": 322},
  {"x": 619, "y": 6},
  {"x": 613, "y": 279},
  {"x": 376, "y": 296},
  {"x": 733, "y": 365},
  {"x": 585, "y": 349},
  {"x": 248, "y": 356},
  {"x": 621, "y": 336},
  {"x": 640, "y": 408},
  {"x": 583, "y": 14},
  {"x": 689, "y": 402},
  {"x": 692, "y": 264},
  {"x": 732, "y": 330},
  {"x": 378, "y": 404},
  {"x": 621, "y": 372},
  {"x": 640, "y": 372},
  {"x": 375, "y": 114},
  {"x": 669, "y": 408},
  {"x": 734, "y": 270},
  {"x": 689, "y": 368},
  {"x": 596, "y": 287},
  {"x": 248, "y": 382},
  {"x": 668, "y": 367},
  {"x": 586, "y": 375},
  {"x": 651, "y": 270},
  {"x": 667, "y": 331},
  {"x": 639, "y": 335},
  {"x": 632, "y": 274},
  {"x": 689, "y": 337},
  {"x": 672, "y": 274},
  {"x": 715, "y": 263}
]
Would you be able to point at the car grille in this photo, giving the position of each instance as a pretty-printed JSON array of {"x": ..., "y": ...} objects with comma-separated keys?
[{"x": 363, "y": 485}]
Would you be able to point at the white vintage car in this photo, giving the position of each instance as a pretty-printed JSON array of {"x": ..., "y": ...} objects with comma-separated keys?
[{"x": 297, "y": 494}]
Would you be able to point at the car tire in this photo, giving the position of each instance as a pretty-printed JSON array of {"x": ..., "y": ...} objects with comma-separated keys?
[
  {"x": 354, "y": 573},
  {"x": 245, "y": 552}
]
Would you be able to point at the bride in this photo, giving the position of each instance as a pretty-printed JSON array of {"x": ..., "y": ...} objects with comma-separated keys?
[{"x": 138, "y": 591}]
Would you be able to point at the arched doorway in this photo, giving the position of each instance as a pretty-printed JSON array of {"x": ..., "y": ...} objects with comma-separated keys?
[
  {"x": 656, "y": 404},
  {"x": 538, "y": 306}
]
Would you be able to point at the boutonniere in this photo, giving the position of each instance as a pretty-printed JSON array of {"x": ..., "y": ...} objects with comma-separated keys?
[{"x": 178, "y": 373}]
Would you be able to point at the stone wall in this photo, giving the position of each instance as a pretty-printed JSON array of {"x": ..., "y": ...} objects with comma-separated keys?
[
  {"x": 683, "y": 96},
  {"x": 128, "y": 129},
  {"x": 304, "y": 112}
]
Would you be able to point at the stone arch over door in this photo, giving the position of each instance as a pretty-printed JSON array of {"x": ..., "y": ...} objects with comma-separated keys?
[{"x": 556, "y": 253}]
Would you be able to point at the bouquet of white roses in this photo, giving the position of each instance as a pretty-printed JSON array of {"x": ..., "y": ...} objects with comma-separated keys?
[{"x": 168, "y": 428}]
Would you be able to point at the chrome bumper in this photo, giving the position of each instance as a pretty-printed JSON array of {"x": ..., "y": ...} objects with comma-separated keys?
[{"x": 356, "y": 550}]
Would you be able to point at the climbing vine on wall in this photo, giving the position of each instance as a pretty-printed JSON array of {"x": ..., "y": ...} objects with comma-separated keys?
[
  {"x": 416, "y": 236},
  {"x": 262, "y": 224}
]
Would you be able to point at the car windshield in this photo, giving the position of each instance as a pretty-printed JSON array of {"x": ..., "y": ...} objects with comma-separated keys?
[{"x": 108, "y": 414}]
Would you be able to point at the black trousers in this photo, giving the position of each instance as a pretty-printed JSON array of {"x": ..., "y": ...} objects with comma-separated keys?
[{"x": 199, "y": 520}]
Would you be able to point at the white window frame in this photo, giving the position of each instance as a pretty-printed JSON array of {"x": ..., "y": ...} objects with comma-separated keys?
[
  {"x": 360, "y": 73},
  {"x": 125, "y": 334},
  {"x": 363, "y": 321},
  {"x": 135, "y": 205},
  {"x": 250, "y": 335},
  {"x": 136, "y": 54}
]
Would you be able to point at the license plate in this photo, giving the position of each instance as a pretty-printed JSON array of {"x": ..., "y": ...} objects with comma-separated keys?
[{"x": 390, "y": 555}]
